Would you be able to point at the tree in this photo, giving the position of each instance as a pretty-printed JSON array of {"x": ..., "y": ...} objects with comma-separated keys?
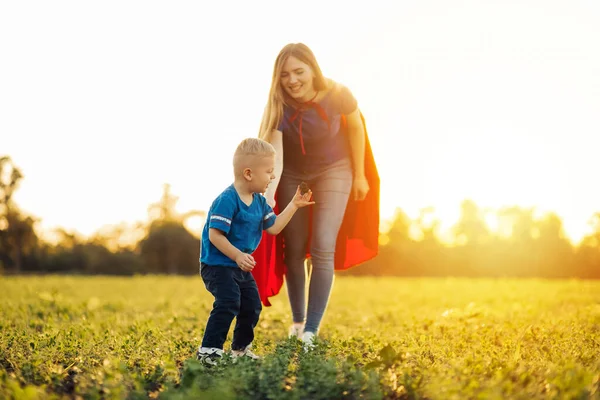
[
  {"x": 19, "y": 239},
  {"x": 168, "y": 246},
  {"x": 471, "y": 228},
  {"x": 554, "y": 251},
  {"x": 521, "y": 224},
  {"x": 588, "y": 253},
  {"x": 17, "y": 233},
  {"x": 10, "y": 176}
]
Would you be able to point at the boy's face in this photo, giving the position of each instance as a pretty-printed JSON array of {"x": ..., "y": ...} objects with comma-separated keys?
[{"x": 262, "y": 173}]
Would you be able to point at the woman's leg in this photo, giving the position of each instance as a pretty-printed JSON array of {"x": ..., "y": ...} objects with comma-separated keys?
[
  {"x": 295, "y": 236},
  {"x": 331, "y": 191}
]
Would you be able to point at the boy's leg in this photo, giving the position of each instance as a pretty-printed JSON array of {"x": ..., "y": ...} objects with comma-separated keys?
[
  {"x": 250, "y": 308},
  {"x": 220, "y": 283}
]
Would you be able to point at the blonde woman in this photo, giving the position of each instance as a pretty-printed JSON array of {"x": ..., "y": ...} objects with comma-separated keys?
[{"x": 319, "y": 136}]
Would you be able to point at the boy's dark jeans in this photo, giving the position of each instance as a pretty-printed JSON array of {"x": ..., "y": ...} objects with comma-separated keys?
[{"x": 236, "y": 295}]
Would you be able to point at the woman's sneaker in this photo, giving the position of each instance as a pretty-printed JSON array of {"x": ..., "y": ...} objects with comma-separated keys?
[
  {"x": 296, "y": 330},
  {"x": 308, "y": 340},
  {"x": 246, "y": 352},
  {"x": 209, "y": 356}
]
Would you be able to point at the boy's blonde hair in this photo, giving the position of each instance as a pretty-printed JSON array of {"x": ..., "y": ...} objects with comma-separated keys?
[{"x": 249, "y": 151}]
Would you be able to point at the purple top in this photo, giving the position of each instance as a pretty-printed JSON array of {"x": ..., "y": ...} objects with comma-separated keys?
[{"x": 312, "y": 137}]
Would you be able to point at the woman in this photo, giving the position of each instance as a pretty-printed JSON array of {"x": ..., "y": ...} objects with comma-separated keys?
[{"x": 318, "y": 132}]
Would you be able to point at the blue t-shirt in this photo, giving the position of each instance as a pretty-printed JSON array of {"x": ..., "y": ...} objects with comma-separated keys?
[
  {"x": 242, "y": 224},
  {"x": 321, "y": 141}
]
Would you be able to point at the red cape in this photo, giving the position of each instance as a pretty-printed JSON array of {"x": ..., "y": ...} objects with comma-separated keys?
[{"x": 357, "y": 242}]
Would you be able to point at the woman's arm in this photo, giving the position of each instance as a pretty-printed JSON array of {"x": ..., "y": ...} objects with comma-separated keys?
[
  {"x": 276, "y": 140},
  {"x": 356, "y": 135}
]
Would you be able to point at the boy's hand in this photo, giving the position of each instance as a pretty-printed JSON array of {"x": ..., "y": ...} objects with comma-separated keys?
[
  {"x": 245, "y": 262},
  {"x": 302, "y": 200}
]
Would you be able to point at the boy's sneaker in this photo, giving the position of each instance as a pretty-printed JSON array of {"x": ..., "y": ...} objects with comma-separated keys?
[
  {"x": 308, "y": 340},
  {"x": 246, "y": 352},
  {"x": 296, "y": 330},
  {"x": 209, "y": 356}
]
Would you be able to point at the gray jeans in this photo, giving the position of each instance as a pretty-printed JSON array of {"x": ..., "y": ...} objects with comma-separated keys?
[{"x": 331, "y": 188}]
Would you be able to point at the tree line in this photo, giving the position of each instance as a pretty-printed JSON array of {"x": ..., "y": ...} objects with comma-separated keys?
[{"x": 523, "y": 246}]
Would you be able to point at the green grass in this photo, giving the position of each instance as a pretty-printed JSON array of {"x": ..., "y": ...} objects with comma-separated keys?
[{"x": 101, "y": 337}]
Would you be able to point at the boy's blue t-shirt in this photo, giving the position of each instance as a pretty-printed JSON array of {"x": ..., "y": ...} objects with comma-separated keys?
[{"x": 242, "y": 224}]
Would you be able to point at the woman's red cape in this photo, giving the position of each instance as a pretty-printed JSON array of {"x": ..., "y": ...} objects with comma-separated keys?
[{"x": 357, "y": 242}]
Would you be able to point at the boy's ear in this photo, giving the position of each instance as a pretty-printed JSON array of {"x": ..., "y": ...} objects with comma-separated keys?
[{"x": 248, "y": 174}]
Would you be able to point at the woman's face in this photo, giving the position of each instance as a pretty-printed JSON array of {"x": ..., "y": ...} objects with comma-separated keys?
[{"x": 297, "y": 79}]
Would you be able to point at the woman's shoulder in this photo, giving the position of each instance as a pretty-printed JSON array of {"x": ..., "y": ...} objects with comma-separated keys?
[
  {"x": 341, "y": 97},
  {"x": 333, "y": 88},
  {"x": 336, "y": 86}
]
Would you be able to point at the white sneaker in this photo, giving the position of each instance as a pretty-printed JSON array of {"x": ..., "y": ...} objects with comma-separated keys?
[
  {"x": 209, "y": 356},
  {"x": 308, "y": 340},
  {"x": 244, "y": 353},
  {"x": 296, "y": 330}
]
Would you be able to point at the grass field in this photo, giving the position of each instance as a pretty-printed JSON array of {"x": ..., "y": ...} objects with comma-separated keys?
[{"x": 104, "y": 337}]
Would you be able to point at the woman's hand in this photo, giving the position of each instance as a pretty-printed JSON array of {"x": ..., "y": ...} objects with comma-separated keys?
[
  {"x": 360, "y": 188},
  {"x": 270, "y": 200}
]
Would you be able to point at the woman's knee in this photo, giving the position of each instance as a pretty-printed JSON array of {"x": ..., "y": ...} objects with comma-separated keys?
[
  {"x": 295, "y": 250},
  {"x": 322, "y": 258}
]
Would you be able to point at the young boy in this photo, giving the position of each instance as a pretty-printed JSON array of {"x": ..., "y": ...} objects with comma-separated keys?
[{"x": 232, "y": 232}]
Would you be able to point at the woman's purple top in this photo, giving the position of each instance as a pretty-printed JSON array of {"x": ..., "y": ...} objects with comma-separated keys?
[{"x": 312, "y": 134}]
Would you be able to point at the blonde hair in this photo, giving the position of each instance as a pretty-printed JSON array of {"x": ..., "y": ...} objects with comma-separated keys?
[
  {"x": 277, "y": 97},
  {"x": 249, "y": 151}
]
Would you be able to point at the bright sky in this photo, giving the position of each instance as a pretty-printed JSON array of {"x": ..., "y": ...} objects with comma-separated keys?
[{"x": 103, "y": 102}]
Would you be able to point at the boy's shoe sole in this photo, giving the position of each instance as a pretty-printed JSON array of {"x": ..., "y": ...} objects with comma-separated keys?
[
  {"x": 245, "y": 353},
  {"x": 210, "y": 359}
]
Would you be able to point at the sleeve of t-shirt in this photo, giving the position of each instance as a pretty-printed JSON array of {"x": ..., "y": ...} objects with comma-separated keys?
[
  {"x": 268, "y": 215},
  {"x": 348, "y": 103},
  {"x": 222, "y": 212}
]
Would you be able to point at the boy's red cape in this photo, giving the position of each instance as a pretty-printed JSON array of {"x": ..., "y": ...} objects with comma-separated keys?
[{"x": 357, "y": 242}]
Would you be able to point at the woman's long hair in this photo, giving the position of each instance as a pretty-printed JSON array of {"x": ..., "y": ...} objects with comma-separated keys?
[{"x": 277, "y": 97}]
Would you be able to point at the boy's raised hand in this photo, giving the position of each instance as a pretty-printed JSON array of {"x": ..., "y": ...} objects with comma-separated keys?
[
  {"x": 302, "y": 200},
  {"x": 245, "y": 261}
]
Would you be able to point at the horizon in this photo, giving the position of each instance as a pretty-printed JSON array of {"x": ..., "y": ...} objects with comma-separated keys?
[{"x": 444, "y": 232}]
